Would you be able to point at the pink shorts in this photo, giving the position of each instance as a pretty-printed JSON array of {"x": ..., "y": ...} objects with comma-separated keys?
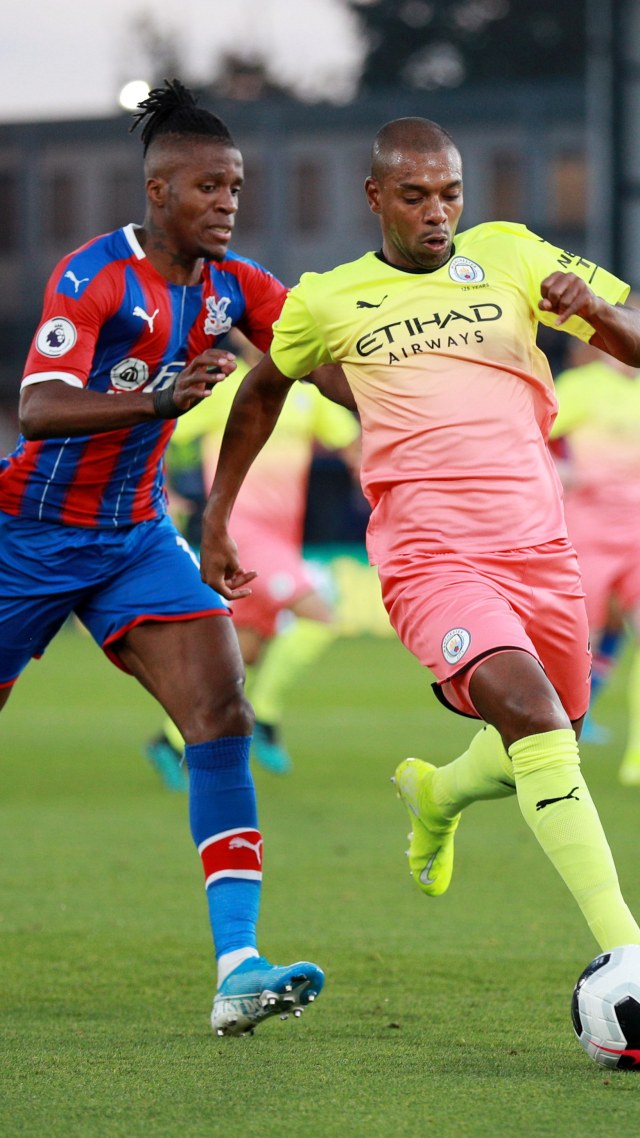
[
  {"x": 609, "y": 557},
  {"x": 282, "y": 579},
  {"x": 453, "y": 610}
]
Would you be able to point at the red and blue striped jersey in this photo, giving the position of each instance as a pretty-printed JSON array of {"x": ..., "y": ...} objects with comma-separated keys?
[{"x": 112, "y": 323}]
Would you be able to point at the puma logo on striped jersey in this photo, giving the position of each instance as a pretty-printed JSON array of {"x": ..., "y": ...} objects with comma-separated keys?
[
  {"x": 70, "y": 275},
  {"x": 138, "y": 311}
]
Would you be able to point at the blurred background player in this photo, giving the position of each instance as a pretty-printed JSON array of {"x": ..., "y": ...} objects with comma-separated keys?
[
  {"x": 287, "y": 622},
  {"x": 598, "y": 425}
]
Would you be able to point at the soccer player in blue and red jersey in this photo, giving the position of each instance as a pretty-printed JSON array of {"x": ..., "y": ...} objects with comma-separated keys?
[{"x": 125, "y": 345}]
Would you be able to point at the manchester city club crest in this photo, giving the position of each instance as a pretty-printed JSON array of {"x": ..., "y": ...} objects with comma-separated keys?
[
  {"x": 455, "y": 644},
  {"x": 464, "y": 271}
]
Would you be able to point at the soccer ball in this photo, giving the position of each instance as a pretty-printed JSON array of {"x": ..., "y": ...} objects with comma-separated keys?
[{"x": 605, "y": 1008}]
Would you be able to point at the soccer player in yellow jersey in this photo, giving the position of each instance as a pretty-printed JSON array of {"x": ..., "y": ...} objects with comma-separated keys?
[
  {"x": 599, "y": 419},
  {"x": 436, "y": 335}
]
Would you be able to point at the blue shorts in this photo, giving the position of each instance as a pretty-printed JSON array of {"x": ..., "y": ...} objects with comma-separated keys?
[{"x": 111, "y": 579}]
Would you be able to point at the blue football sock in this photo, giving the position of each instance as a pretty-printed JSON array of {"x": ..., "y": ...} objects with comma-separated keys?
[
  {"x": 224, "y": 826},
  {"x": 605, "y": 656}
]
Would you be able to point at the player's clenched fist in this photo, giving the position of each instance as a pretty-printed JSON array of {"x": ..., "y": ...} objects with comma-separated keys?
[
  {"x": 568, "y": 295},
  {"x": 193, "y": 383}
]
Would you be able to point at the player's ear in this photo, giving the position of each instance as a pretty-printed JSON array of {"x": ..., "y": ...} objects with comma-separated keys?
[
  {"x": 156, "y": 191},
  {"x": 372, "y": 190}
]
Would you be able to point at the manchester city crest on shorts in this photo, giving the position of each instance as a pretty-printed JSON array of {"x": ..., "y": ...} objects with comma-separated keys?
[
  {"x": 464, "y": 271},
  {"x": 455, "y": 644}
]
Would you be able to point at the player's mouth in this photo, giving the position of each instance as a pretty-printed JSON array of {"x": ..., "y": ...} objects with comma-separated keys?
[
  {"x": 220, "y": 232},
  {"x": 438, "y": 242}
]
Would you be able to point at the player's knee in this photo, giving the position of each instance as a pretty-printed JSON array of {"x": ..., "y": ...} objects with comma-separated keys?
[
  {"x": 222, "y": 712},
  {"x": 520, "y": 718},
  {"x": 242, "y": 713},
  {"x": 512, "y": 693}
]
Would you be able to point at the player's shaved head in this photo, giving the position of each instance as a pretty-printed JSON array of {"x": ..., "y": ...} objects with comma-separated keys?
[
  {"x": 415, "y": 188},
  {"x": 395, "y": 139},
  {"x": 170, "y": 152}
]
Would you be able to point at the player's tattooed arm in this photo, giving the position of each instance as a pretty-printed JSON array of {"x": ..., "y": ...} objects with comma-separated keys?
[{"x": 55, "y": 409}]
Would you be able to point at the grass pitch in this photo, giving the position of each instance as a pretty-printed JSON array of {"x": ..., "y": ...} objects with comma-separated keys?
[{"x": 446, "y": 1017}]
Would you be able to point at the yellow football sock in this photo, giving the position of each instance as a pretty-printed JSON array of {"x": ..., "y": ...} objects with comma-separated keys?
[
  {"x": 632, "y": 749},
  {"x": 484, "y": 771},
  {"x": 250, "y": 671},
  {"x": 296, "y": 648},
  {"x": 556, "y": 804},
  {"x": 173, "y": 735}
]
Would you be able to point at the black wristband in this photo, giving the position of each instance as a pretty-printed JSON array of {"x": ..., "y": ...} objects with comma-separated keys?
[{"x": 164, "y": 404}]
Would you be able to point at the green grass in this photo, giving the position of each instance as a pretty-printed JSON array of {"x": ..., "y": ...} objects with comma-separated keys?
[{"x": 445, "y": 1017}]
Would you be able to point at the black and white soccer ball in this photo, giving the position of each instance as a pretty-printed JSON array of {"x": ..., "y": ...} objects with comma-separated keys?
[{"x": 605, "y": 1008}]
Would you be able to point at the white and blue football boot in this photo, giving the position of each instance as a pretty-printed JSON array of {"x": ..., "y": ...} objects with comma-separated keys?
[{"x": 256, "y": 990}]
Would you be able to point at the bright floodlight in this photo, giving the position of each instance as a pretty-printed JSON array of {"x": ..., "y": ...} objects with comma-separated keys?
[{"x": 133, "y": 93}]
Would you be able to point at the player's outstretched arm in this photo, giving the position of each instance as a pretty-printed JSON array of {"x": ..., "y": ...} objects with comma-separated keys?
[
  {"x": 254, "y": 413},
  {"x": 617, "y": 326},
  {"x": 54, "y": 409}
]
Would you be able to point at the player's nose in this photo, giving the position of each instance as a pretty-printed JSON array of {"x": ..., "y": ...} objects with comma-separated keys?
[
  {"x": 435, "y": 212},
  {"x": 227, "y": 202}
]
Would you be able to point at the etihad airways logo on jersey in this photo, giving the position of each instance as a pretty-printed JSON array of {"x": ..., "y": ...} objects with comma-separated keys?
[{"x": 415, "y": 326}]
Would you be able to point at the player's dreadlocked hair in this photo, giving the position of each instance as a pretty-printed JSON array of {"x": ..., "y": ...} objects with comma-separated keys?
[{"x": 172, "y": 109}]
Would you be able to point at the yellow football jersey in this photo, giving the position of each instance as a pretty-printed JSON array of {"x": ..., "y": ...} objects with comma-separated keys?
[{"x": 453, "y": 392}]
